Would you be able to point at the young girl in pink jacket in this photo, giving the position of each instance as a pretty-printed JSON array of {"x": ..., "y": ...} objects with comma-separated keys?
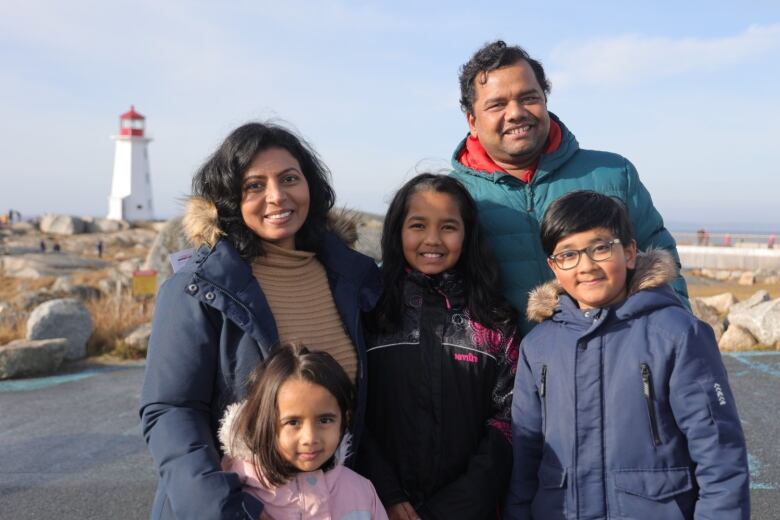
[{"x": 288, "y": 440}]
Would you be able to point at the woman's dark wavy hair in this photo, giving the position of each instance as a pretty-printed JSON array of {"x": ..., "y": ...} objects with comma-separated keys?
[
  {"x": 257, "y": 423},
  {"x": 486, "y": 305},
  {"x": 220, "y": 181}
]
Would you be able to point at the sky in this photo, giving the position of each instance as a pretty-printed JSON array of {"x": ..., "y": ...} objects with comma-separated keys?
[{"x": 688, "y": 91}]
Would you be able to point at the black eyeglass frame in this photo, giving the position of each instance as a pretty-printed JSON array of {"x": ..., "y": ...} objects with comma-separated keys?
[{"x": 587, "y": 250}]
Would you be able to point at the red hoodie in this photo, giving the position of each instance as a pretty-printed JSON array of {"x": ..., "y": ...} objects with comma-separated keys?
[{"x": 475, "y": 157}]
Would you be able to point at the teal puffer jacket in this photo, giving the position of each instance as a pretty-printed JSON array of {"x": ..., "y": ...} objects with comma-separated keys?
[{"x": 510, "y": 211}]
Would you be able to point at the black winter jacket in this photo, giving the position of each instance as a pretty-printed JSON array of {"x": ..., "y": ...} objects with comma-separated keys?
[{"x": 438, "y": 414}]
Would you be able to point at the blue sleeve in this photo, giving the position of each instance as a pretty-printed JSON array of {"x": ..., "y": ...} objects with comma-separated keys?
[
  {"x": 176, "y": 402},
  {"x": 650, "y": 230},
  {"x": 527, "y": 442},
  {"x": 705, "y": 411}
]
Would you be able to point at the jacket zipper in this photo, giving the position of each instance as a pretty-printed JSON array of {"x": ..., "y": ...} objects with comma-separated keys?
[
  {"x": 543, "y": 395},
  {"x": 647, "y": 388}
]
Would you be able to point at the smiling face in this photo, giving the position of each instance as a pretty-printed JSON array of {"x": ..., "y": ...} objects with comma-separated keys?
[
  {"x": 595, "y": 284},
  {"x": 510, "y": 116},
  {"x": 275, "y": 197},
  {"x": 433, "y": 232},
  {"x": 309, "y": 429}
]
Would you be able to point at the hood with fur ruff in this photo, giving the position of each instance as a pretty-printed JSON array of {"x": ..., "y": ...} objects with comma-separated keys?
[
  {"x": 654, "y": 268},
  {"x": 234, "y": 447},
  {"x": 201, "y": 224}
]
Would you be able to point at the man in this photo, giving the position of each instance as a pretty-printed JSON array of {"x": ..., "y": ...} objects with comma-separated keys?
[{"x": 518, "y": 158}]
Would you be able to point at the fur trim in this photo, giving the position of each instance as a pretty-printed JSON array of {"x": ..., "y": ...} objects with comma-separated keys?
[
  {"x": 201, "y": 224},
  {"x": 231, "y": 445},
  {"x": 344, "y": 223},
  {"x": 654, "y": 268},
  {"x": 344, "y": 450}
]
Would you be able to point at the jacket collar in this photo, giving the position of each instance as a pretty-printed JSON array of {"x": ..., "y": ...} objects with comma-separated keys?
[
  {"x": 547, "y": 162},
  {"x": 218, "y": 261},
  {"x": 654, "y": 269}
]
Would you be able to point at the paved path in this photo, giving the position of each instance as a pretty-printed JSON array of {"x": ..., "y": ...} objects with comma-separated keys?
[{"x": 70, "y": 446}]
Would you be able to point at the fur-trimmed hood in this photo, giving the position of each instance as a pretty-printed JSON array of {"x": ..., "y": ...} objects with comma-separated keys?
[
  {"x": 201, "y": 225},
  {"x": 232, "y": 445},
  {"x": 654, "y": 268}
]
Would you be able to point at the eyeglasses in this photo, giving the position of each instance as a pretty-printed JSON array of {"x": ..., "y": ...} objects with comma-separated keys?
[{"x": 598, "y": 252}]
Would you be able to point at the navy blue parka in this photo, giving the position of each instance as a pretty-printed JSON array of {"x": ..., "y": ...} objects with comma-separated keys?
[
  {"x": 212, "y": 327},
  {"x": 625, "y": 412}
]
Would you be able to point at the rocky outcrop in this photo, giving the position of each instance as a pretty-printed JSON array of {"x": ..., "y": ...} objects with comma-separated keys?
[
  {"x": 709, "y": 315},
  {"x": 747, "y": 278},
  {"x": 104, "y": 225},
  {"x": 758, "y": 297},
  {"x": 720, "y": 302},
  {"x": 736, "y": 339},
  {"x": 762, "y": 320},
  {"x": 62, "y": 318},
  {"x": 37, "y": 265},
  {"x": 169, "y": 240},
  {"x": 62, "y": 224},
  {"x": 138, "y": 340},
  {"x": 26, "y": 358}
]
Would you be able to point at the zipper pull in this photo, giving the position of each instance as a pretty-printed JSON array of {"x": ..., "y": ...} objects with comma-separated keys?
[{"x": 543, "y": 386}]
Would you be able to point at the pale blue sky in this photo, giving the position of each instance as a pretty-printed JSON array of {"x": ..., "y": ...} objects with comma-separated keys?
[{"x": 688, "y": 91}]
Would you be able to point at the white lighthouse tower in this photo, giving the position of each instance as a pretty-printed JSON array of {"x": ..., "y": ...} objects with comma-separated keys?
[{"x": 131, "y": 189}]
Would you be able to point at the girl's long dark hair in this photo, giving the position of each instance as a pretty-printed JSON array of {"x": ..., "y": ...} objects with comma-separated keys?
[{"x": 485, "y": 303}]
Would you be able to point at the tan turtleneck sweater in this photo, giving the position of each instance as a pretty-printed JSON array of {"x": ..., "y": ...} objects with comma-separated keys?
[{"x": 296, "y": 286}]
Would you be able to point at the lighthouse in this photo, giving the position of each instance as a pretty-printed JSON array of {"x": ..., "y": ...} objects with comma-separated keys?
[{"x": 131, "y": 188}]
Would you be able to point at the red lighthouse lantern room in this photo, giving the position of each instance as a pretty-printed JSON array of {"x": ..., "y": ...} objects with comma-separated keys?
[{"x": 132, "y": 123}]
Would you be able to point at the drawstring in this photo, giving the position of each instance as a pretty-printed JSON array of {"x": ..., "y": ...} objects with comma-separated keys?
[{"x": 446, "y": 299}]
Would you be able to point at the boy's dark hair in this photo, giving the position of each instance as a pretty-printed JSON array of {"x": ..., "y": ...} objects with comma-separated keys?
[
  {"x": 584, "y": 210},
  {"x": 257, "y": 423},
  {"x": 485, "y": 303},
  {"x": 490, "y": 57},
  {"x": 220, "y": 181}
]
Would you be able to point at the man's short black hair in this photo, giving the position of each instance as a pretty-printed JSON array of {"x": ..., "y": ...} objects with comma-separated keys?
[
  {"x": 490, "y": 57},
  {"x": 584, "y": 210}
]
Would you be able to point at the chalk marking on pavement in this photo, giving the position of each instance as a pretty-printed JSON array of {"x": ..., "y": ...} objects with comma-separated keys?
[
  {"x": 755, "y": 466},
  {"x": 37, "y": 383},
  {"x": 746, "y": 359}
]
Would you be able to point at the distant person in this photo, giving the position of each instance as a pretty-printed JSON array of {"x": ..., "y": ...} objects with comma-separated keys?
[
  {"x": 271, "y": 267},
  {"x": 701, "y": 237},
  {"x": 99, "y": 248},
  {"x": 288, "y": 440},
  {"x": 771, "y": 242},
  {"x": 442, "y": 351},
  {"x": 42, "y": 246},
  {"x": 56, "y": 247},
  {"x": 518, "y": 158},
  {"x": 727, "y": 240},
  {"x": 621, "y": 405}
]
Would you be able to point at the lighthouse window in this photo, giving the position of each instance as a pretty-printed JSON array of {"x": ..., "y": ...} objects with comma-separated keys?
[{"x": 139, "y": 206}]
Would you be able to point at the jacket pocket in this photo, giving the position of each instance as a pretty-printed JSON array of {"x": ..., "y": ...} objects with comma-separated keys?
[
  {"x": 550, "y": 499},
  {"x": 647, "y": 390},
  {"x": 656, "y": 493}
]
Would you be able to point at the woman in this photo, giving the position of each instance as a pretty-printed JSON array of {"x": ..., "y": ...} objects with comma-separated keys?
[{"x": 268, "y": 269}]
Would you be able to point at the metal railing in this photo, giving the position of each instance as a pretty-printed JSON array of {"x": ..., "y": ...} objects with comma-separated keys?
[{"x": 740, "y": 240}]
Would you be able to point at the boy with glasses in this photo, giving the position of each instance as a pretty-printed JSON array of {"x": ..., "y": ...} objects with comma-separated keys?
[{"x": 621, "y": 406}]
